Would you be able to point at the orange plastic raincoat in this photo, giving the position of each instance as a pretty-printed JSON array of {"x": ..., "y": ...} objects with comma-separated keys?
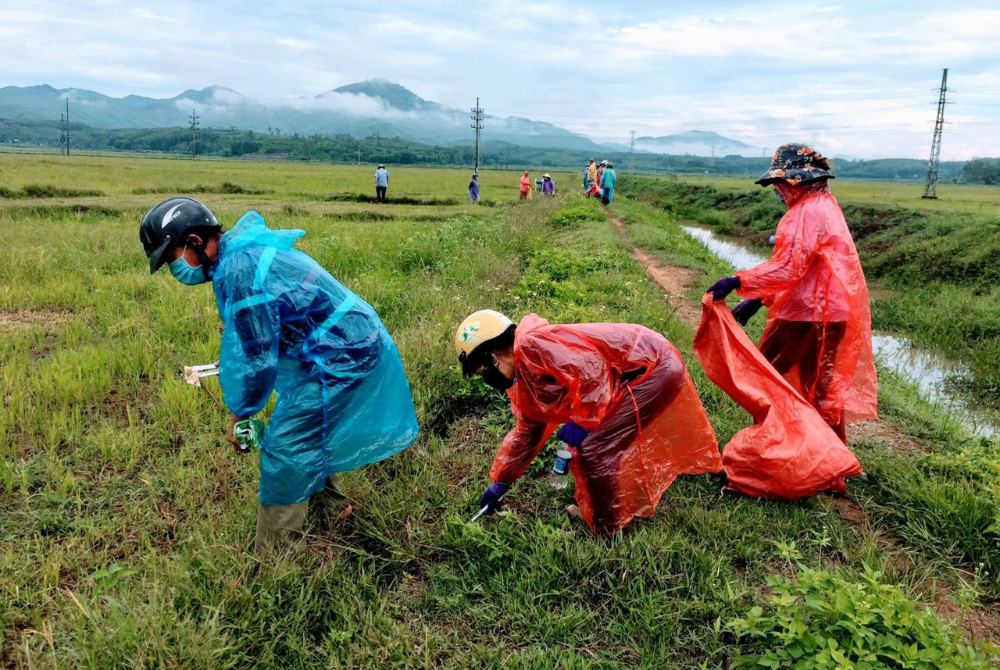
[
  {"x": 818, "y": 333},
  {"x": 628, "y": 386},
  {"x": 790, "y": 452},
  {"x": 525, "y": 186}
]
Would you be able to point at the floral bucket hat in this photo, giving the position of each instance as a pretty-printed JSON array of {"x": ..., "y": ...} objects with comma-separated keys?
[{"x": 796, "y": 163}]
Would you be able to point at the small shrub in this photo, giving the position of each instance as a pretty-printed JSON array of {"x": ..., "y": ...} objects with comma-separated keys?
[
  {"x": 588, "y": 210},
  {"x": 48, "y": 191},
  {"x": 822, "y": 620}
]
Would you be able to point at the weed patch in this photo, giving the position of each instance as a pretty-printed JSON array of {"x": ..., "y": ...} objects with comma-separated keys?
[
  {"x": 586, "y": 210},
  {"x": 393, "y": 200},
  {"x": 824, "y": 620},
  {"x": 47, "y": 191}
]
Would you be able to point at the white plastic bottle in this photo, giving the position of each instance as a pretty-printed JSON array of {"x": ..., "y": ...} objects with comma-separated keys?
[{"x": 559, "y": 477}]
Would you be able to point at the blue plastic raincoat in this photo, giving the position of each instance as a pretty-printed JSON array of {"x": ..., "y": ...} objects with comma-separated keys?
[
  {"x": 608, "y": 180},
  {"x": 343, "y": 398}
]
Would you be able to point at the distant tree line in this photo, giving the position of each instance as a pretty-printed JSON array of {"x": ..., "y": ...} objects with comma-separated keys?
[
  {"x": 341, "y": 148},
  {"x": 982, "y": 171}
]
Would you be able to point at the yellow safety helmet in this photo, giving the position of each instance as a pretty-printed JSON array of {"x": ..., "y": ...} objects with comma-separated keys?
[{"x": 478, "y": 329}]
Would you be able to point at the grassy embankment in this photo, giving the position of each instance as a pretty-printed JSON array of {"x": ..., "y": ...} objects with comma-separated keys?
[
  {"x": 124, "y": 518},
  {"x": 946, "y": 501}
]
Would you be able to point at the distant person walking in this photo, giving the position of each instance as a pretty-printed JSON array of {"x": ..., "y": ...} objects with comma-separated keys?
[
  {"x": 381, "y": 183},
  {"x": 608, "y": 179},
  {"x": 548, "y": 186},
  {"x": 474, "y": 187},
  {"x": 525, "y": 186}
]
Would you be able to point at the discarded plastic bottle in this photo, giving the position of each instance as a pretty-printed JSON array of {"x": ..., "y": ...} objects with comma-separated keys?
[
  {"x": 248, "y": 432},
  {"x": 559, "y": 477}
]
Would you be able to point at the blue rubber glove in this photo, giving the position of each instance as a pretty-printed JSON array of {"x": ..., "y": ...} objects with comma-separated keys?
[
  {"x": 723, "y": 287},
  {"x": 572, "y": 434},
  {"x": 491, "y": 497},
  {"x": 744, "y": 311}
]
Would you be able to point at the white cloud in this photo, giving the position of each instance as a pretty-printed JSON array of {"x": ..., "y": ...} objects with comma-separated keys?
[
  {"x": 852, "y": 74},
  {"x": 294, "y": 43}
]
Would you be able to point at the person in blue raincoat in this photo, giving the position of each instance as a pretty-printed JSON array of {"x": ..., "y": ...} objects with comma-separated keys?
[
  {"x": 608, "y": 180},
  {"x": 343, "y": 398}
]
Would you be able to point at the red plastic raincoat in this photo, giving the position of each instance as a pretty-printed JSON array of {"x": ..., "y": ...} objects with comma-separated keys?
[
  {"x": 628, "y": 386},
  {"x": 818, "y": 333},
  {"x": 790, "y": 452},
  {"x": 525, "y": 185}
]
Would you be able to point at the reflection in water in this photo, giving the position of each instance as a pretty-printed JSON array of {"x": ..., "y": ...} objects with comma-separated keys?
[
  {"x": 733, "y": 253},
  {"x": 931, "y": 372},
  {"x": 927, "y": 370}
]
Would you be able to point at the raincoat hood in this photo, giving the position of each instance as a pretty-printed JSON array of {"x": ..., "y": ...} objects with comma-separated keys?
[{"x": 251, "y": 230}]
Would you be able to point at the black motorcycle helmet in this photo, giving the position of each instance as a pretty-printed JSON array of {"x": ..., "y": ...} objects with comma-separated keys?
[{"x": 166, "y": 225}]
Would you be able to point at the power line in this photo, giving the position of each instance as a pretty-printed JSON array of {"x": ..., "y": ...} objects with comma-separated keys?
[
  {"x": 930, "y": 190},
  {"x": 194, "y": 133},
  {"x": 477, "y": 118}
]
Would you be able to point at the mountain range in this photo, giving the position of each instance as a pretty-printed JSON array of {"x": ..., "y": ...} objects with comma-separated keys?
[{"x": 362, "y": 109}]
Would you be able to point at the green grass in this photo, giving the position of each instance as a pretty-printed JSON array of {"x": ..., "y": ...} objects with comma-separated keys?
[
  {"x": 125, "y": 518},
  {"x": 971, "y": 198}
]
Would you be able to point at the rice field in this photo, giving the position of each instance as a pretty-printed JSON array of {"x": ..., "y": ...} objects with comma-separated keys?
[{"x": 126, "y": 520}]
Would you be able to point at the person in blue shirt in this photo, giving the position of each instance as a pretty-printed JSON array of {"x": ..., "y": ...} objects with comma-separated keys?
[
  {"x": 381, "y": 183},
  {"x": 343, "y": 398},
  {"x": 474, "y": 187}
]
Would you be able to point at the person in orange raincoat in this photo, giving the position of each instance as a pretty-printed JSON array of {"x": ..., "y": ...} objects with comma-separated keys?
[
  {"x": 632, "y": 417},
  {"x": 818, "y": 332},
  {"x": 525, "y": 186}
]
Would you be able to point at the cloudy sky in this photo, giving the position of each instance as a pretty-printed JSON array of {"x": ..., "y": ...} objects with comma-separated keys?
[{"x": 854, "y": 78}]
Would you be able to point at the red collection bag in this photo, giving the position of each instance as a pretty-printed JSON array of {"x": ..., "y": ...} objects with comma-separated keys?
[{"x": 790, "y": 452}]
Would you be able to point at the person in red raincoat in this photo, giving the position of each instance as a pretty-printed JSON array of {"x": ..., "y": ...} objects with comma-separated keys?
[
  {"x": 632, "y": 417},
  {"x": 818, "y": 332},
  {"x": 525, "y": 186}
]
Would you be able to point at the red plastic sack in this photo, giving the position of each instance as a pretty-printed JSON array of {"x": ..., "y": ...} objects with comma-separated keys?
[
  {"x": 818, "y": 333},
  {"x": 790, "y": 452},
  {"x": 628, "y": 386}
]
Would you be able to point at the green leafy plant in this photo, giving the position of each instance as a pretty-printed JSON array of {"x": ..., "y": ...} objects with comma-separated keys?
[{"x": 822, "y": 620}]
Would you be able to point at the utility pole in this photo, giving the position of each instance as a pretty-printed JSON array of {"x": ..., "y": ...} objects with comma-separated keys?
[
  {"x": 67, "y": 126},
  {"x": 378, "y": 145},
  {"x": 930, "y": 190},
  {"x": 631, "y": 153},
  {"x": 477, "y": 125},
  {"x": 62, "y": 134},
  {"x": 194, "y": 133}
]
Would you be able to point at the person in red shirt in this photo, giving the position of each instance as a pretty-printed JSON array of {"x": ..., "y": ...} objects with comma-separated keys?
[
  {"x": 818, "y": 333},
  {"x": 631, "y": 415}
]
